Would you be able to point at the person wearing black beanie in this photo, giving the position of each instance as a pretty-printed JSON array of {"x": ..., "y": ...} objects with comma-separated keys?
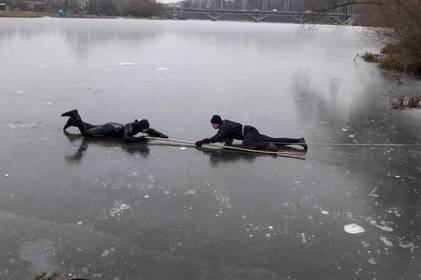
[
  {"x": 216, "y": 119},
  {"x": 251, "y": 137},
  {"x": 127, "y": 131}
]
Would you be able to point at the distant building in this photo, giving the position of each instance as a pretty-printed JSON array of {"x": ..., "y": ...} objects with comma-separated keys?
[{"x": 4, "y": 7}]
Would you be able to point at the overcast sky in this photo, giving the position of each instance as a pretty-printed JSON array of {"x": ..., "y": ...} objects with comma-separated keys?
[{"x": 167, "y": 1}]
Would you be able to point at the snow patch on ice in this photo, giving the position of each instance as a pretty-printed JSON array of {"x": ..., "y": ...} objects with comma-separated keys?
[
  {"x": 22, "y": 125},
  {"x": 127, "y": 63},
  {"x": 106, "y": 252},
  {"x": 190, "y": 191},
  {"x": 353, "y": 229},
  {"x": 371, "y": 261},
  {"x": 382, "y": 227},
  {"x": 386, "y": 241},
  {"x": 224, "y": 201},
  {"x": 303, "y": 238},
  {"x": 119, "y": 208},
  {"x": 407, "y": 245}
]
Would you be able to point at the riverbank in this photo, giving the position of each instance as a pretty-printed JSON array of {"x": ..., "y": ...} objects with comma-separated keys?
[
  {"x": 395, "y": 57},
  {"x": 29, "y": 14},
  {"x": 25, "y": 14}
]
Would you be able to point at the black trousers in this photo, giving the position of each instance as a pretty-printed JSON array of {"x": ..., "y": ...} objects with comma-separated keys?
[
  {"x": 108, "y": 129},
  {"x": 253, "y": 139}
]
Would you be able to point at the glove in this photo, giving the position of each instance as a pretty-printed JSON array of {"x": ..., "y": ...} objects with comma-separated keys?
[{"x": 201, "y": 142}]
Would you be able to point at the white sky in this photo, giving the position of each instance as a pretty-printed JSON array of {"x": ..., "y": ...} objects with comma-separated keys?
[{"x": 167, "y": 1}]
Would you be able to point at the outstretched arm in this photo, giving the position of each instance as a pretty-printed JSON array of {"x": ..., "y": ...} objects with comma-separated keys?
[
  {"x": 154, "y": 133},
  {"x": 218, "y": 137}
]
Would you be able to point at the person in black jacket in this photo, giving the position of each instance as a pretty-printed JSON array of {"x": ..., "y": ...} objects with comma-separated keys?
[
  {"x": 229, "y": 130},
  {"x": 127, "y": 131}
]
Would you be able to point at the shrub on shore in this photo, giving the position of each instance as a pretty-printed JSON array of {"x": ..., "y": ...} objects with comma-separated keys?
[
  {"x": 402, "y": 102},
  {"x": 396, "y": 58},
  {"x": 371, "y": 57}
]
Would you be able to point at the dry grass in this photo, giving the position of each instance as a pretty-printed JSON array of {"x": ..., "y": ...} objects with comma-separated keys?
[
  {"x": 24, "y": 14},
  {"x": 371, "y": 57},
  {"x": 401, "y": 19},
  {"x": 402, "y": 102},
  {"x": 396, "y": 58}
]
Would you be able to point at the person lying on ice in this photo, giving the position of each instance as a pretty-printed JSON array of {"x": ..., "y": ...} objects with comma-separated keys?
[
  {"x": 127, "y": 131},
  {"x": 229, "y": 130}
]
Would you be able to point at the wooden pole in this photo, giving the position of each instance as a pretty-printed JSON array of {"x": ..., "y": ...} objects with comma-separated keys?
[{"x": 190, "y": 143}]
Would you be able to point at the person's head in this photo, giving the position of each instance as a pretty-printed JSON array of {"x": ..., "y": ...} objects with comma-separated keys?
[
  {"x": 216, "y": 121},
  {"x": 138, "y": 126}
]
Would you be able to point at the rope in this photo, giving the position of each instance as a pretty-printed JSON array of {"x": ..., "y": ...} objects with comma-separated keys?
[
  {"x": 364, "y": 144},
  {"x": 296, "y": 155}
]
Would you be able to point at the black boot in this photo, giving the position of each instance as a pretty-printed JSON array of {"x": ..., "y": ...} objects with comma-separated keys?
[
  {"x": 75, "y": 120},
  {"x": 70, "y": 122},
  {"x": 70, "y": 113},
  {"x": 303, "y": 144}
]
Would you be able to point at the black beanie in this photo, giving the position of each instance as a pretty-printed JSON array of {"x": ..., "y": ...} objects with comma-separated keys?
[
  {"x": 216, "y": 119},
  {"x": 140, "y": 125}
]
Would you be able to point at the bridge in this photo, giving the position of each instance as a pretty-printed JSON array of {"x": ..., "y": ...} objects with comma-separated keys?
[{"x": 259, "y": 15}]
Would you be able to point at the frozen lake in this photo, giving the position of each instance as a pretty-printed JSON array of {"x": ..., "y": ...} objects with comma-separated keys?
[{"x": 107, "y": 210}]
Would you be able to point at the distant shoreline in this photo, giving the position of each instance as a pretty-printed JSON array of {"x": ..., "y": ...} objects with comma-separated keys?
[{"x": 30, "y": 14}]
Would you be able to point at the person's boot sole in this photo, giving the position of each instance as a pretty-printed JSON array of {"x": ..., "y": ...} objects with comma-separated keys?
[{"x": 69, "y": 113}]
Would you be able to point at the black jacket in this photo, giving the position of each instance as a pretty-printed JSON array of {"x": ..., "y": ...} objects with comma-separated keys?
[{"x": 228, "y": 130}]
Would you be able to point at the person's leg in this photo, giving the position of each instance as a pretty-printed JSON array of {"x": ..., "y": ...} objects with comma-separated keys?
[
  {"x": 71, "y": 122},
  {"x": 89, "y": 125},
  {"x": 283, "y": 141},
  {"x": 279, "y": 141},
  {"x": 251, "y": 139},
  {"x": 75, "y": 120},
  {"x": 86, "y": 129},
  {"x": 98, "y": 130}
]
